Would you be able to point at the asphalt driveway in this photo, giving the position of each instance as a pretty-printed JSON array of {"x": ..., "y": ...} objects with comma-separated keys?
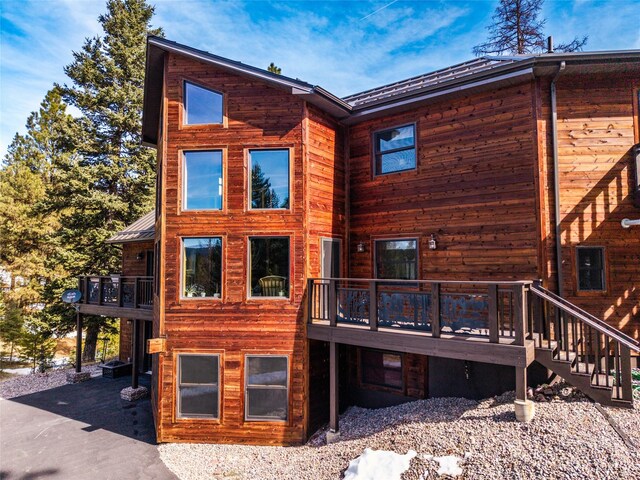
[{"x": 82, "y": 431}]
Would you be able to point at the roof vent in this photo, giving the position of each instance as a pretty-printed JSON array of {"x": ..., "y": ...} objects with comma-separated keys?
[{"x": 549, "y": 44}]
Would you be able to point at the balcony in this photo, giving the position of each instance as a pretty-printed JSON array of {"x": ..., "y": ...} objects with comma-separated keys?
[
  {"x": 480, "y": 321},
  {"x": 117, "y": 296}
]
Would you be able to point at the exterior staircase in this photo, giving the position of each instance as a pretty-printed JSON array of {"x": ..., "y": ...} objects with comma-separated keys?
[{"x": 582, "y": 349}]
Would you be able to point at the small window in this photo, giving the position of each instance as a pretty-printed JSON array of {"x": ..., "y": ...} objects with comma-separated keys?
[
  {"x": 269, "y": 266},
  {"x": 202, "y": 180},
  {"x": 395, "y": 149},
  {"x": 397, "y": 259},
  {"x": 269, "y": 178},
  {"x": 201, "y": 105},
  {"x": 202, "y": 267},
  {"x": 381, "y": 369},
  {"x": 198, "y": 386},
  {"x": 267, "y": 395},
  {"x": 590, "y": 268}
]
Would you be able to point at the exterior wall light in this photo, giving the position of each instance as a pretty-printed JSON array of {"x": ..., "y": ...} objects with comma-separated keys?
[
  {"x": 360, "y": 247},
  {"x": 140, "y": 256},
  {"x": 432, "y": 242}
]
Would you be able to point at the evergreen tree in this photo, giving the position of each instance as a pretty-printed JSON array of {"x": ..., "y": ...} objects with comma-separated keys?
[
  {"x": 111, "y": 182},
  {"x": 262, "y": 195},
  {"x": 517, "y": 30},
  {"x": 37, "y": 345},
  {"x": 11, "y": 323},
  {"x": 273, "y": 68}
]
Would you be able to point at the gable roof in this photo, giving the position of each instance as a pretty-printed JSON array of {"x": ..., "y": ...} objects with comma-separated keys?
[
  {"x": 139, "y": 231},
  {"x": 474, "y": 74}
]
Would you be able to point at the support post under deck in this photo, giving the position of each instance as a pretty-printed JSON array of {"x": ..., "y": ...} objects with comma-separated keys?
[
  {"x": 135, "y": 355},
  {"x": 333, "y": 388},
  {"x": 525, "y": 409},
  {"x": 78, "y": 342}
]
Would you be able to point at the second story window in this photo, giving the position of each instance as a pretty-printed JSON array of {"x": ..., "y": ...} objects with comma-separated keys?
[
  {"x": 269, "y": 258},
  {"x": 397, "y": 259},
  {"x": 202, "y": 180},
  {"x": 269, "y": 178},
  {"x": 201, "y": 267},
  {"x": 201, "y": 105},
  {"x": 395, "y": 149}
]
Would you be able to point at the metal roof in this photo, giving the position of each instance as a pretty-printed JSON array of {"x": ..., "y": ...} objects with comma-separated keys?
[
  {"x": 454, "y": 72},
  {"x": 140, "y": 230}
]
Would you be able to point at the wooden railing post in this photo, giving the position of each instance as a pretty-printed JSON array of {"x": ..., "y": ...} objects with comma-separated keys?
[
  {"x": 100, "y": 290},
  {"x": 625, "y": 373},
  {"x": 373, "y": 305},
  {"x": 493, "y": 314},
  {"x": 435, "y": 310},
  {"x": 87, "y": 289},
  {"x": 136, "y": 285},
  {"x": 120, "y": 290},
  {"x": 520, "y": 314},
  {"x": 333, "y": 303},
  {"x": 310, "y": 295}
]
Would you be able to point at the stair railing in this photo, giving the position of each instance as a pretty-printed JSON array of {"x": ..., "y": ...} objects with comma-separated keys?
[{"x": 593, "y": 347}]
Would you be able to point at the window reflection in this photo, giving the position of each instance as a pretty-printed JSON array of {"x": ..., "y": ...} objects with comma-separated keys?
[
  {"x": 397, "y": 259},
  {"x": 269, "y": 267},
  {"x": 269, "y": 178},
  {"x": 202, "y": 181},
  {"x": 202, "y": 267},
  {"x": 202, "y": 106}
]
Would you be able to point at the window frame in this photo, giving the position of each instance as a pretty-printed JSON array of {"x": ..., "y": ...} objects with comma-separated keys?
[
  {"x": 185, "y": 106},
  {"x": 378, "y": 154},
  {"x": 377, "y": 386},
  {"x": 395, "y": 239},
  {"x": 183, "y": 272},
  {"x": 247, "y": 387},
  {"x": 289, "y": 295},
  {"x": 249, "y": 184},
  {"x": 183, "y": 179},
  {"x": 603, "y": 270},
  {"x": 177, "y": 375}
]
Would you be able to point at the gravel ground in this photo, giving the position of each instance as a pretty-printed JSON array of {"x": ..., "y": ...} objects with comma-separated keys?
[
  {"x": 566, "y": 440},
  {"x": 36, "y": 382}
]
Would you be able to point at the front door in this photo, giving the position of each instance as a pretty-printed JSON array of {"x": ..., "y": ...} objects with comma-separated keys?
[{"x": 330, "y": 258}]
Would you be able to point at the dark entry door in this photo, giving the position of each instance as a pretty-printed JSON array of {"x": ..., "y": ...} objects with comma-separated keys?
[{"x": 330, "y": 258}]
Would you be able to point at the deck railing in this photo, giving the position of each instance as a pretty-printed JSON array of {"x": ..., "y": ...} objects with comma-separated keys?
[
  {"x": 596, "y": 349},
  {"x": 117, "y": 291},
  {"x": 484, "y": 309}
]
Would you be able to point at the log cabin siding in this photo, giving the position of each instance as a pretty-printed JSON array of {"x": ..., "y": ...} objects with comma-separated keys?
[
  {"x": 473, "y": 188},
  {"x": 596, "y": 133},
  {"x": 256, "y": 116}
]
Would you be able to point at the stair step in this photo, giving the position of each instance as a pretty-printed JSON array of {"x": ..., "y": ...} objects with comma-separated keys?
[{"x": 564, "y": 357}]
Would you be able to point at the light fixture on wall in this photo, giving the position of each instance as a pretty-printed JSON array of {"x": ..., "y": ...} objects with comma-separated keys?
[
  {"x": 432, "y": 242},
  {"x": 360, "y": 247},
  {"x": 140, "y": 256}
]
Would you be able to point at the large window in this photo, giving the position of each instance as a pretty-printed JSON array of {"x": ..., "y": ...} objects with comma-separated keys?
[
  {"x": 269, "y": 178},
  {"x": 395, "y": 149},
  {"x": 269, "y": 266},
  {"x": 202, "y": 267},
  {"x": 202, "y": 180},
  {"x": 397, "y": 259},
  {"x": 590, "y": 268},
  {"x": 266, "y": 389},
  {"x": 198, "y": 386},
  {"x": 201, "y": 105},
  {"x": 381, "y": 369}
]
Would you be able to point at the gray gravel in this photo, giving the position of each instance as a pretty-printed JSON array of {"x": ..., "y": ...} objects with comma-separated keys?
[
  {"x": 566, "y": 440},
  {"x": 37, "y": 382}
]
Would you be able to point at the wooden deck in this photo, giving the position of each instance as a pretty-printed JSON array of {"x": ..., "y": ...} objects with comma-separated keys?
[{"x": 117, "y": 296}]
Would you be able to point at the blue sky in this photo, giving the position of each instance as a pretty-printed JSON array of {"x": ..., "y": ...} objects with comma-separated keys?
[{"x": 343, "y": 46}]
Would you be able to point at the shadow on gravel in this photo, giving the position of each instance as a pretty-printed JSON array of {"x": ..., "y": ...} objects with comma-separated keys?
[
  {"x": 37, "y": 475},
  {"x": 97, "y": 403}
]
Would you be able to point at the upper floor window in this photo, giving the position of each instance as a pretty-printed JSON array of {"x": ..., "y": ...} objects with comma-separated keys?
[
  {"x": 202, "y": 267},
  {"x": 397, "y": 259},
  {"x": 395, "y": 149},
  {"x": 269, "y": 178},
  {"x": 269, "y": 267},
  {"x": 590, "y": 268},
  {"x": 198, "y": 386},
  {"x": 201, "y": 105},
  {"x": 202, "y": 180}
]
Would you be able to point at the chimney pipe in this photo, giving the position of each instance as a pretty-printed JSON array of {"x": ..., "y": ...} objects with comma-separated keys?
[{"x": 549, "y": 44}]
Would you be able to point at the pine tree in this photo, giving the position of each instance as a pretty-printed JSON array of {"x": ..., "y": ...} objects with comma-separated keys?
[
  {"x": 111, "y": 182},
  {"x": 11, "y": 322},
  {"x": 517, "y": 30},
  {"x": 273, "y": 68}
]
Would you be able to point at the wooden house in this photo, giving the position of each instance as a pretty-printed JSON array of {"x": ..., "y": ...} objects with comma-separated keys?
[{"x": 448, "y": 234}]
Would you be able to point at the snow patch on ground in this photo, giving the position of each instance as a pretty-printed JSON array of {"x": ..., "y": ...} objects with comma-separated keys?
[
  {"x": 449, "y": 464},
  {"x": 377, "y": 464}
]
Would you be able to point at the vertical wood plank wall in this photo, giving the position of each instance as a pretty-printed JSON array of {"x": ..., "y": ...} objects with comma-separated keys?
[
  {"x": 256, "y": 116},
  {"x": 596, "y": 133}
]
